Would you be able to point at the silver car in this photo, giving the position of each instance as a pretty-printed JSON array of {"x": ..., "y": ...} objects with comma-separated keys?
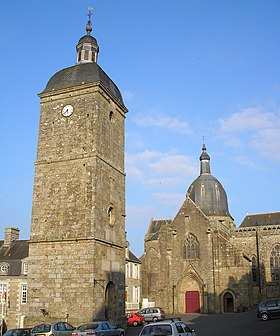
[
  {"x": 153, "y": 314},
  {"x": 103, "y": 328},
  {"x": 52, "y": 329}
]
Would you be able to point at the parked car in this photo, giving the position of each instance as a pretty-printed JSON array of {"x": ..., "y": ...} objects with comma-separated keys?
[
  {"x": 173, "y": 327},
  {"x": 153, "y": 314},
  {"x": 18, "y": 332},
  {"x": 53, "y": 329},
  {"x": 268, "y": 309},
  {"x": 103, "y": 328},
  {"x": 134, "y": 319}
]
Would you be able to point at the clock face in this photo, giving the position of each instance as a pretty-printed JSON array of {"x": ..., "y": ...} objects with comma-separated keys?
[{"x": 67, "y": 110}]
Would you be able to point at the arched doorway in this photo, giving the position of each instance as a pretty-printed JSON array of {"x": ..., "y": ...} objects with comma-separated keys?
[
  {"x": 110, "y": 302},
  {"x": 189, "y": 298},
  {"x": 228, "y": 302}
]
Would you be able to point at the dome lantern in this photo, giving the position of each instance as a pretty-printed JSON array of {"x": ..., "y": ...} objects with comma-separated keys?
[
  {"x": 87, "y": 47},
  {"x": 204, "y": 161}
]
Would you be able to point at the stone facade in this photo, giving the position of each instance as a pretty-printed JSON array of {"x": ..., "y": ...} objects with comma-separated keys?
[
  {"x": 200, "y": 261},
  {"x": 77, "y": 237},
  {"x": 14, "y": 262}
]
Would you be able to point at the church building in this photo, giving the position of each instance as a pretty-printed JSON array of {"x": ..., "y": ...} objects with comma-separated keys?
[
  {"x": 200, "y": 262},
  {"x": 77, "y": 237}
]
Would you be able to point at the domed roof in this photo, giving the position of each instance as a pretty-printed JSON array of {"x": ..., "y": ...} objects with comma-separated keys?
[
  {"x": 207, "y": 192},
  {"x": 88, "y": 39},
  {"x": 79, "y": 74}
]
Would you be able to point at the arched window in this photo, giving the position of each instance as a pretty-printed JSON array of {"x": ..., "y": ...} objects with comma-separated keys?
[
  {"x": 275, "y": 263},
  {"x": 191, "y": 247},
  {"x": 111, "y": 117},
  {"x": 111, "y": 216},
  {"x": 254, "y": 269}
]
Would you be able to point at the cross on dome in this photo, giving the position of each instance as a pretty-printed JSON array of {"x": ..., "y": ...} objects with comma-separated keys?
[{"x": 89, "y": 25}]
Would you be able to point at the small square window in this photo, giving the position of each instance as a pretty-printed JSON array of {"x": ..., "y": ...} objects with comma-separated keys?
[{"x": 25, "y": 268}]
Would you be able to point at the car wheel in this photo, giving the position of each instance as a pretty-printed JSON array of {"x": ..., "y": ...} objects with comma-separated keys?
[
  {"x": 155, "y": 319},
  {"x": 135, "y": 324},
  {"x": 265, "y": 316}
]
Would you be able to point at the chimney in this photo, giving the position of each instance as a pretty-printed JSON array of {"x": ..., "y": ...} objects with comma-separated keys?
[
  {"x": 11, "y": 234},
  {"x": 127, "y": 250}
]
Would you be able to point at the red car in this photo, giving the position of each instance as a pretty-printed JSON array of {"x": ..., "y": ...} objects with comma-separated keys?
[{"x": 134, "y": 319}]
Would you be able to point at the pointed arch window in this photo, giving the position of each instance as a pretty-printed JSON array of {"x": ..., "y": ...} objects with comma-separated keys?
[
  {"x": 191, "y": 247},
  {"x": 275, "y": 263}
]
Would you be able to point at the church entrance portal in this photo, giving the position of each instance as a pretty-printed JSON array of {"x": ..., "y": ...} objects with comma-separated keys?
[
  {"x": 228, "y": 303},
  {"x": 192, "y": 302},
  {"x": 110, "y": 302}
]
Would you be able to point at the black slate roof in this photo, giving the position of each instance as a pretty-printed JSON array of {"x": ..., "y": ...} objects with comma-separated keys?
[
  {"x": 80, "y": 74},
  {"x": 133, "y": 258},
  {"x": 209, "y": 195},
  {"x": 17, "y": 250},
  {"x": 264, "y": 219}
]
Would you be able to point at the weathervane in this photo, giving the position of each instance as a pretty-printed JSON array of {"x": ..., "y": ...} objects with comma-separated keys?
[
  {"x": 89, "y": 26},
  {"x": 90, "y": 9}
]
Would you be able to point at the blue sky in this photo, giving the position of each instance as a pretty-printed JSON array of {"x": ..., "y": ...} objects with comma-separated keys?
[{"x": 186, "y": 69}]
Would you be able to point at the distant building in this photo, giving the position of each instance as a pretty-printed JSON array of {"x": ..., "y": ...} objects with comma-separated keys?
[
  {"x": 13, "y": 278},
  {"x": 201, "y": 262},
  {"x": 133, "y": 285}
]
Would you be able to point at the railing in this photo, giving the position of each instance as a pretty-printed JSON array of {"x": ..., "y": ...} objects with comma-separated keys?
[{"x": 132, "y": 306}]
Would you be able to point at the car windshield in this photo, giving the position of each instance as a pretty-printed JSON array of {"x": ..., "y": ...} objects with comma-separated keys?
[
  {"x": 41, "y": 328},
  {"x": 87, "y": 326},
  {"x": 17, "y": 332},
  {"x": 157, "y": 330}
]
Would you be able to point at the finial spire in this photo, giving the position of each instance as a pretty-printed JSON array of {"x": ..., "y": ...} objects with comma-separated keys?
[
  {"x": 89, "y": 25},
  {"x": 87, "y": 47},
  {"x": 204, "y": 160},
  {"x": 203, "y": 143}
]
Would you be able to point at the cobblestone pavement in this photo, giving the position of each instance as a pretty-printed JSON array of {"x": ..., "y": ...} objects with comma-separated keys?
[{"x": 235, "y": 324}]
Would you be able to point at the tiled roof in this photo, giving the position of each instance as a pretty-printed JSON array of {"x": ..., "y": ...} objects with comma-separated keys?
[{"x": 264, "y": 219}]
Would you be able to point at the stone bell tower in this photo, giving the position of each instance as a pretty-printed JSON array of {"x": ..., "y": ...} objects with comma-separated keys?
[{"x": 77, "y": 238}]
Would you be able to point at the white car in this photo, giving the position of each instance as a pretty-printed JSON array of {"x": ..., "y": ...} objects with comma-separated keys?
[{"x": 173, "y": 327}]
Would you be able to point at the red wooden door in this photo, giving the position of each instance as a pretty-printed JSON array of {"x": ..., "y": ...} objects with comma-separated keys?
[{"x": 192, "y": 302}]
